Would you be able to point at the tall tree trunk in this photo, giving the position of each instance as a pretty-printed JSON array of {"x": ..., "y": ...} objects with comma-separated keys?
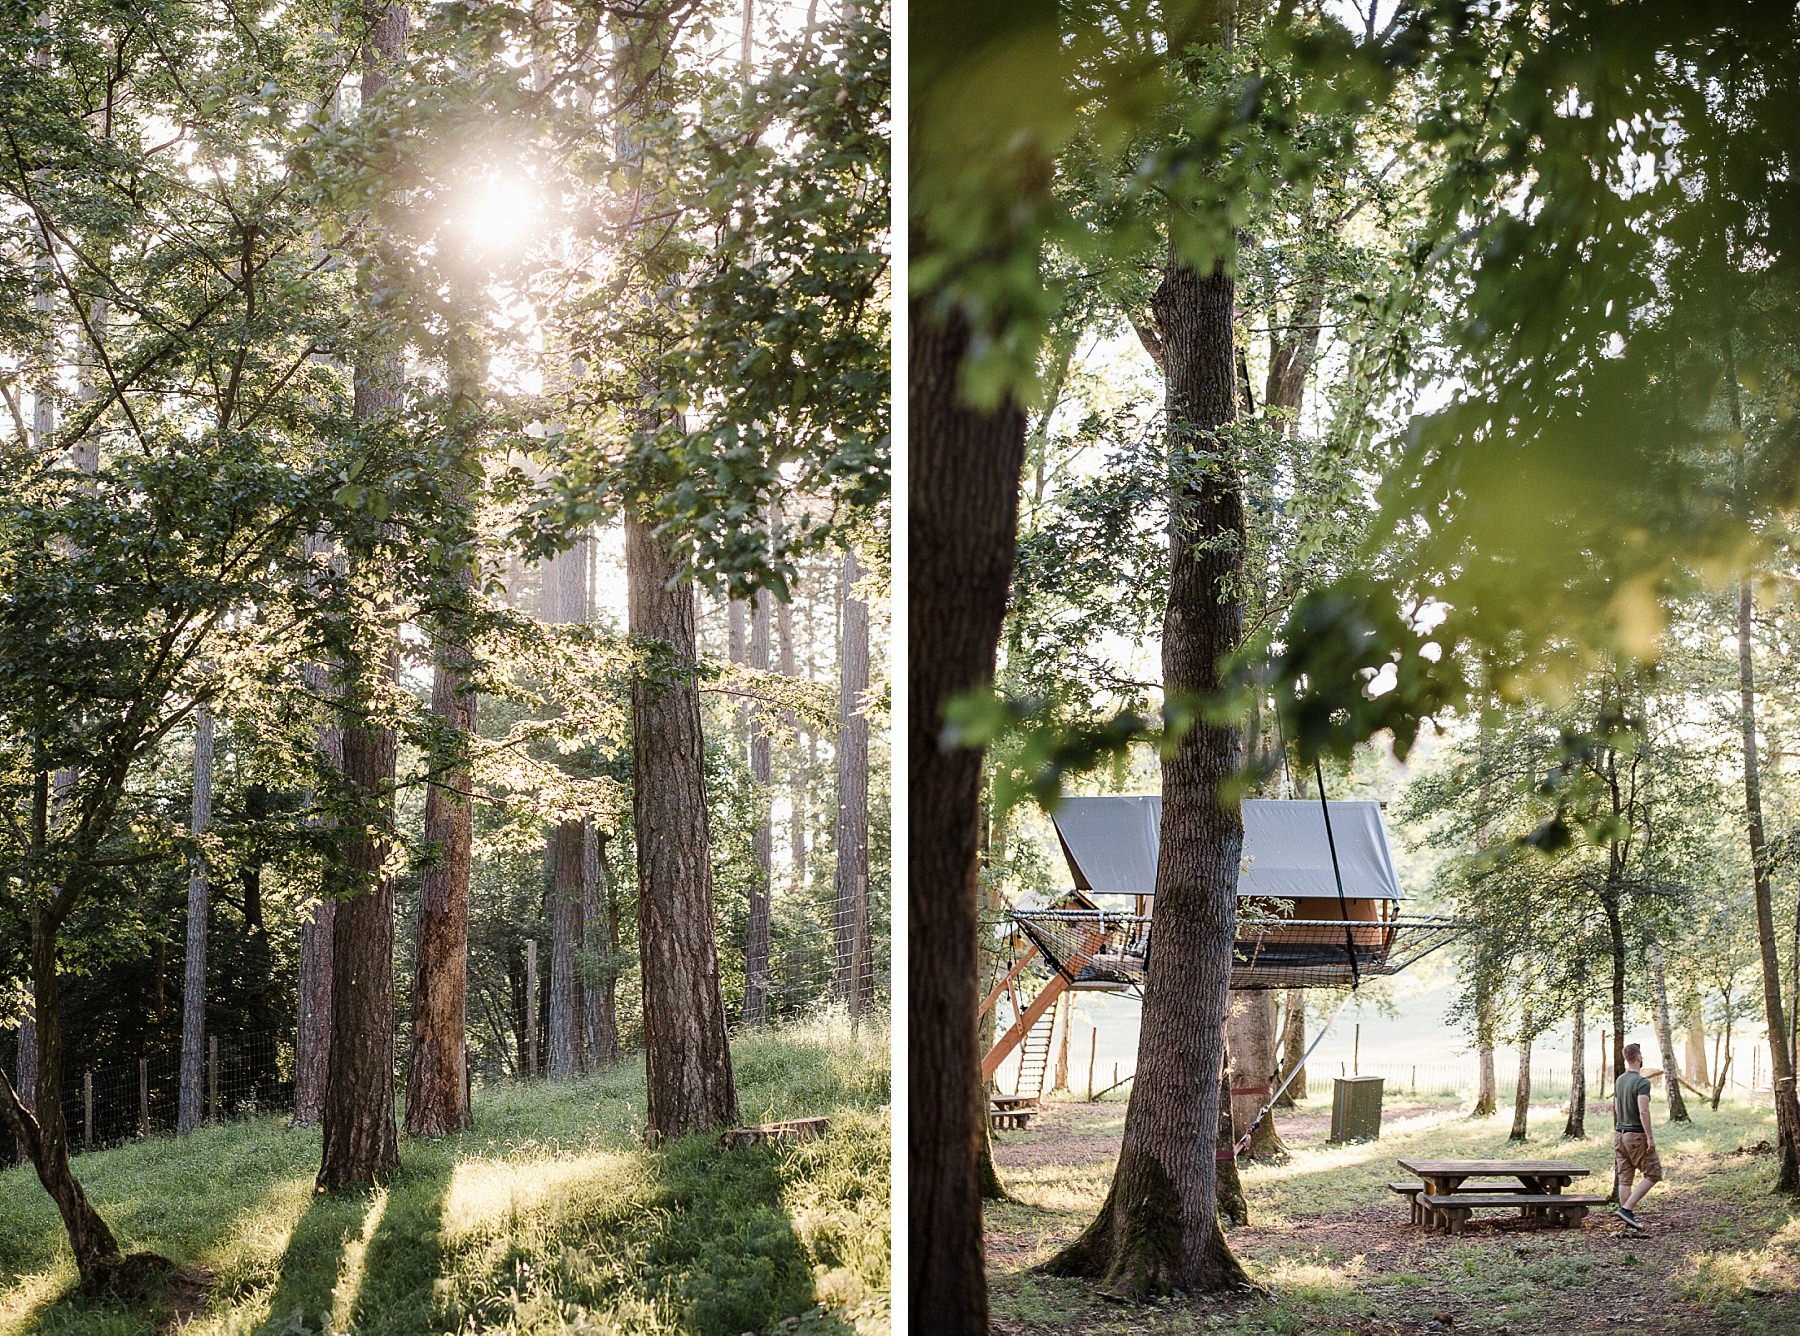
[
  {"x": 850, "y": 916},
  {"x": 437, "y": 1073},
  {"x": 1158, "y": 1230},
  {"x": 191, "y": 1103},
  {"x": 1615, "y": 928},
  {"x": 1665, "y": 1036},
  {"x": 28, "y": 1065},
  {"x": 962, "y": 522},
  {"x": 600, "y": 941},
  {"x": 1065, "y": 1022},
  {"x": 686, "y": 1053},
  {"x": 1250, "y": 1039},
  {"x": 565, "y": 603},
  {"x": 1487, "y": 1094},
  {"x": 1522, "y": 1090},
  {"x": 312, "y": 1031},
  {"x": 361, "y": 1139},
  {"x": 1577, "y": 1124},
  {"x": 790, "y": 731},
  {"x": 1233, "y": 1204},
  {"x": 568, "y": 895},
  {"x": 762, "y": 840}
]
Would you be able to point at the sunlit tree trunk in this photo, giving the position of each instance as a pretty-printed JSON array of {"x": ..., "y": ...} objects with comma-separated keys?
[
  {"x": 1577, "y": 1124},
  {"x": 600, "y": 941},
  {"x": 1522, "y": 1091},
  {"x": 361, "y": 1139},
  {"x": 565, "y": 603},
  {"x": 1250, "y": 1039},
  {"x": 762, "y": 839},
  {"x": 191, "y": 1102}
]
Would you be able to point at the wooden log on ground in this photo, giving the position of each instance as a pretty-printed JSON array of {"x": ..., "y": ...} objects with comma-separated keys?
[{"x": 775, "y": 1134}]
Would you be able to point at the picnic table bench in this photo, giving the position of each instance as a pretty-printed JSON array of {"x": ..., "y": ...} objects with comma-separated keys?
[
  {"x": 1444, "y": 1198},
  {"x": 1011, "y": 1111}
]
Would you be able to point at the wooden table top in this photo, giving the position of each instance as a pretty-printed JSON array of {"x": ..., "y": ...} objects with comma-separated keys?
[{"x": 1480, "y": 1168}]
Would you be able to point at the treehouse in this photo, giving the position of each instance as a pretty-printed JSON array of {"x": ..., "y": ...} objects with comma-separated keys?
[{"x": 1318, "y": 906}]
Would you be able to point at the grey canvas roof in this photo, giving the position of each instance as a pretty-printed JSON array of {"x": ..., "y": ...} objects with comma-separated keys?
[{"x": 1111, "y": 847}]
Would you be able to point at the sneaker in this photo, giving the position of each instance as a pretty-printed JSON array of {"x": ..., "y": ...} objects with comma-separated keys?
[{"x": 1629, "y": 1218}]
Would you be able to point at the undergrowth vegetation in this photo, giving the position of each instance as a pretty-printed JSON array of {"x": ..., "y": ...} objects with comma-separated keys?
[{"x": 548, "y": 1216}]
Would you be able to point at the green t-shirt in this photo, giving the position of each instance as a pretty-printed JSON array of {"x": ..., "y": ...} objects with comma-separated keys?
[{"x": 1625, "y": 1097}]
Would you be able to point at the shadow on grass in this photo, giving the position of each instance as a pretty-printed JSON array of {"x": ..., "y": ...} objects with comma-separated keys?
[{"x": 366, "y": 1258}]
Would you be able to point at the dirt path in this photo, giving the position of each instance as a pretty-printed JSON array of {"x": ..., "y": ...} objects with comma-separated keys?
[{"x": 1353, "y": 1263}]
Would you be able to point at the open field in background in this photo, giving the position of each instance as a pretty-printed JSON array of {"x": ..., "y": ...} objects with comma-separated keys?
[
  {"x": 1407, "y": 1036},
  {"x": 1336, "y": 1251},
  {"x": 548, "y": 1216}
]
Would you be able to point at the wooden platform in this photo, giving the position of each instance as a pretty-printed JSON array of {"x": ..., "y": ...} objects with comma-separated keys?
[{"x": 775, "y": 1134}]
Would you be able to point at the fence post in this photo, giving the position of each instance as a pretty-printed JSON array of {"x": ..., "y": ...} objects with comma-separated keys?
[
  {"x": 531, "y": 1035},
  {"x": 1415, "y": 1080},
  {"x": 143, "y": 1097},
  {"x": 1356, "y": 1052},
  {"x": 212, "y": 1078},
  {"x": 87, "y": 1110},
  {"x": 1093, "y": 1047}
]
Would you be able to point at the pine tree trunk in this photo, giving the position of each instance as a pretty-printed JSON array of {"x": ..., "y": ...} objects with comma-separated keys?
[
  {"x": 790, "y": 730},
  {"x": 1158, "y": 1231},
  {"x": 437, "y": 1074},
  {"x": 600, "y": 927},
  {"x": 1577, "y": 1124},
  {"x": 312, "y": 1031},
  {"x": 191, "y": 1102},
  {"x": 851, "y": 878},
  {"x": 688, "y": 1059},
  {"x": 28, "y": 1064},
  {"x": 361, "y": 1140},
  {"x": 762, "y": 839},
  {"x": 568, "y": 894},
  {"x": 1665, "y": 1036},
  {"x": 962, "y": 525}
]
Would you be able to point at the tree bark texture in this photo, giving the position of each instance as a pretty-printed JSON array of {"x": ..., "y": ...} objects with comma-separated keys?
[
  {"x": 685, "y": 1048},
  {"x": 798, "y": 806},
  {"x": 962, "y": 526},
  {"x": 1293, "y": 1048},
  {"x": 312, "y": 1031},
  {"x": 191, "y": 1102},
  {"x": 762, "y": 839},
  {"x": 437, "y": 1073},
  {"x": 1233, "y": 1204},
  {"x": 1250, "y": 1039},
  {"x": 1487, "y": 1098},
  {"x": 361, "y": 1140},
  {"x": 1522, "y": 1091},
  {"x": 1695, "y": 1064},
  {"x": 1158, "y": 1230},
  {"x": 27, "y": 1085},
  {"x": 850, "y": 911},
  {"x": 600, "y": 942}
]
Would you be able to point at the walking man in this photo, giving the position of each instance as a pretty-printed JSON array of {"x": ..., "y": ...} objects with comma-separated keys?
[{"x": 1634, "y": 1141}]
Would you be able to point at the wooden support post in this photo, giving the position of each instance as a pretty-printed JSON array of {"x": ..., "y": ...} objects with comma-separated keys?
[
  {"x": 1093, "y": 1047},
  {"x": 212, "y": 1077},
  {"x": 87, "y": 1110},
  {"x": 1356, "y": 1051},
  {"x": 143, "y": 1097},
  {"x": 1005, "y": 984},
  {"x": 531, "y": 1034}
]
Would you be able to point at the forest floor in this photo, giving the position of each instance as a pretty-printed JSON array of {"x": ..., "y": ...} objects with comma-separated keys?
[
  {"x": 1337, "y": 1254},
  {"x": 548, "y": 1216}
]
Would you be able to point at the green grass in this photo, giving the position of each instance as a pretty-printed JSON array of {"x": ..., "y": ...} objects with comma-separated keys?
[
  {"x": 548, "y": 1216},
  {"x": 1331, "y": 1245}
]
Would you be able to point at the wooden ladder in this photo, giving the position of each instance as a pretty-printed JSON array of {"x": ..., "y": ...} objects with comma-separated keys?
[{"x": 1034, "y": 1055}]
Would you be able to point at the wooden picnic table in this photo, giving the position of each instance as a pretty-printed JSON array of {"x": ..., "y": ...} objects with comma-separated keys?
[{"x": 1446, "y": 1197}]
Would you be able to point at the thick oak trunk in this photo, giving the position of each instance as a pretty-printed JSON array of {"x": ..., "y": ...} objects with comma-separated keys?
[
  {"x": 1250, "y": 1039},
  {"x": 850, "y": 913},
  {"x": 685, "y": 1048},
  {"x": 1158, "y": 1231},
  {"x": 962, "y": 524}
]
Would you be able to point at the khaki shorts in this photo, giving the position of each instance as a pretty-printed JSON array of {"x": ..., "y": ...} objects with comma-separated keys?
[{"x": 1633, "y": 1155}]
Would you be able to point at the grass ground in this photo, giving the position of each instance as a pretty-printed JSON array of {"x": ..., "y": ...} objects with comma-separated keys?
[
  {"x": 1337, "y": 1254},
  {"x": 549, "y": 1216}
]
